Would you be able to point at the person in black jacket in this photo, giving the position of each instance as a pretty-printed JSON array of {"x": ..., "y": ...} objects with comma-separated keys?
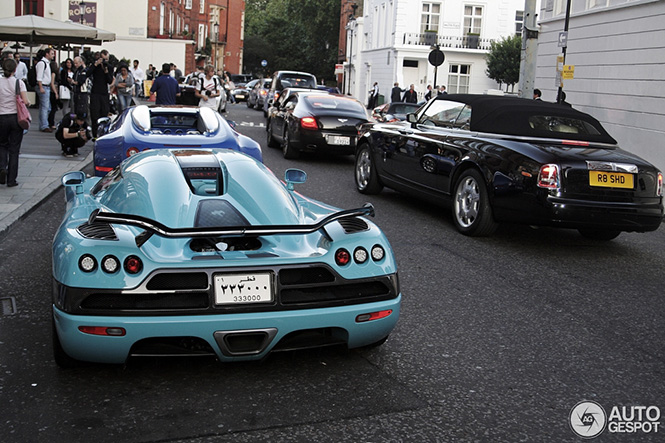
[
  {"x": 72, "y": 133},
  {"x": 80, "y": 87},
  {"x": 396, "y": 93},
  {"x": 410, "y": 96},
  {"x": 101, "y": 74}
]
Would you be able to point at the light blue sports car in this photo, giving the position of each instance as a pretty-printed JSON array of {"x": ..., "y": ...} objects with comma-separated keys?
[{"x": 206, "y": 252}]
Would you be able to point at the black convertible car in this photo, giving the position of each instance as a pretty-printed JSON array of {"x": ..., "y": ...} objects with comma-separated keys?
[{"x": 506, "y": 159}]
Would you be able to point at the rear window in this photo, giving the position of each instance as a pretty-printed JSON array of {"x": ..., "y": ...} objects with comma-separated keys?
[
  {"x": 334, "y": 103},
  {"x": 559, "y": 125},
  {"x": 297, "y": 81},
  {"x": 443, "y": 113}
]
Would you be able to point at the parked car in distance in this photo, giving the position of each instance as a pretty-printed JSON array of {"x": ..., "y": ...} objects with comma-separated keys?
[
  {"x": 258, "y": 93},
  {"x": 506, "y": 159},
  {"x": 332, "y": 89},
  {"x": 248, "y": 88},
  {"x": 287, "y": 79},
  {"x": 307, "y": 120},
  {"x": 395, "y": 111},
  {"x": 182, "y": 252},
  {"x": 241, "y": 78},
  {"x": 240, "y": 92},
  {"x": 139, "y": 128}
]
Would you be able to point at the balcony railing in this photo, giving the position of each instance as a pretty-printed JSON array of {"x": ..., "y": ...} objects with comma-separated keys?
[{"x": 444, "y": 41}]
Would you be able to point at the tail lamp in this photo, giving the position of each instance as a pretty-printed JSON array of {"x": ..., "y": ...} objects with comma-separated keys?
[
  {"x": 132, "y": 151},
  {"x": 373, "y": 316},
  {"x": 103, "y": 330},
  {"x": 360, "y": 255},
  {"x": 87, "y": 263},
  {"x": 659, "y": 188},
  {"x": 133, "y": 264},
  {"x": 110, "y": 264},
  {"x": 308, "y": 123},
  {"x": 549, "y": 176}
]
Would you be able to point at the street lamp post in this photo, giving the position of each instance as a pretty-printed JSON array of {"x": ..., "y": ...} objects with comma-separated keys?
[
  {"x": 215, "y": 27},
  {"x": 81, "y": 12}
]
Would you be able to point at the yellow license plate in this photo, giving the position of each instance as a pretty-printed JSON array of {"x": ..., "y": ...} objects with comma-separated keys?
[{"x": 611, "y": 179}]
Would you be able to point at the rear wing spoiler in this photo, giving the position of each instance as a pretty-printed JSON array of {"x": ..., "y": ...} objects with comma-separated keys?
[{"x": 152, "y": 227}]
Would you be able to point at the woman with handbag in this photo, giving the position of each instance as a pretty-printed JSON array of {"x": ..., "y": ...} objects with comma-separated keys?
[
  {"x": 65, "y": 89},
  {"x": 11, "y": 133},
  {"x": 124, "y": 83}
]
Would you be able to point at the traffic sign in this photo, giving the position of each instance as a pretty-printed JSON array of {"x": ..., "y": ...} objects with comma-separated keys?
[
  {"x": 264, "y": 63},
  {"x": 436, "y": 57}
]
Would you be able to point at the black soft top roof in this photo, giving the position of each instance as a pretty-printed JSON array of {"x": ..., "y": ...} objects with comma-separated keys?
[{"x": 510, "y": 116}]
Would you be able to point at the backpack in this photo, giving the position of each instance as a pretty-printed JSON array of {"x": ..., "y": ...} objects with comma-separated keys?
[
  {"x": 32, "y": 74},
  {"x": 202, "y": 79}
]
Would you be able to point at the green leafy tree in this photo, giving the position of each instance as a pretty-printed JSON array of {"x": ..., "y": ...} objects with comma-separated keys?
[
  {"x": 503, "y": 61},
  {"x": 299, "y": 35}
]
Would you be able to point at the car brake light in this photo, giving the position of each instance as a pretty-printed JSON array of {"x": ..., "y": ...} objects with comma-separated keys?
[
  {"x": 342, "y": 257},
  {"x": 659, "y": 188},
  {"x": 132, "y": 151},
  {"x": 133, "y": 264},
  {"x": 548, "y": 177},
  {"x": 574, "y": 142},
  {"x": 308, "y": 123},
  {"x": 103, "y": 330},
  {"x": 102, "y": 169},
  {"x": 373, "y": 316}
]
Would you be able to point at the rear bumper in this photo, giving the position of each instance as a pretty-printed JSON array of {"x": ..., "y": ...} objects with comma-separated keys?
[
  {"x": 317, "y": 141},
  {"x": 219, "y": 331}
]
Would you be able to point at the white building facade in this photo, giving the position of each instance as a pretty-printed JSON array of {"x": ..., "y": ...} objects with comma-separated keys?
[
  {"x": 617, "y": 48},
  {"x": 391, "y": 43},
  {"x": 126, "y": 18}
]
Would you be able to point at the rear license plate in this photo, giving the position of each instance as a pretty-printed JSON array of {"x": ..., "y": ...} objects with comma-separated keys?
[
  {"x": 338, "y": 140},
  {"x": 232, "y": 289},
  {"x": 611, "y": 179},
  {"x": 240, "y": 96}
]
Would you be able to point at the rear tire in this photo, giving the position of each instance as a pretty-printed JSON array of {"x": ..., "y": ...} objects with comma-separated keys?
[
  {"x": 599, "y": 234},
  {"x": 272, "y": 143},
  {"x": 472, "y": 213},
  {"x": 367, "y": 180},
  {"x": 288, "y": 150}
]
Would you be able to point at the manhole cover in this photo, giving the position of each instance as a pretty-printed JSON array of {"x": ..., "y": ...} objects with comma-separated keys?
[{"x": 8, "y": 305}]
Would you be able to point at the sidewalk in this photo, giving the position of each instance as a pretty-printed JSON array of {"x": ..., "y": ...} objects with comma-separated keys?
[{"x": 40, "y": 167}]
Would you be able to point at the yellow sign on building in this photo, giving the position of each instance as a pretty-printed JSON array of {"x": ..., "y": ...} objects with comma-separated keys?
[{"x": 568, "y": 72}]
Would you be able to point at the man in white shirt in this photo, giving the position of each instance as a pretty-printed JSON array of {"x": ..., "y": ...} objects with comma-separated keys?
[
  {"x": 139, "y": 76},
  {"x": 209, "y": 90},
  {"x": 44, "y": 85},
  {"x": 21, "y": 69}
]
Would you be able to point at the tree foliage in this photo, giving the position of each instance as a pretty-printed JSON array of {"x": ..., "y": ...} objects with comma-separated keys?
[
  {"x": 299, "y": 35},
  {"x": 503, "y": 60}
]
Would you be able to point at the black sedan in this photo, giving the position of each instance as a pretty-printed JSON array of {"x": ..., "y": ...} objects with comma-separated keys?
[
  {"x": 309, "y": 120},
  {"x": 506, "y": 159}
]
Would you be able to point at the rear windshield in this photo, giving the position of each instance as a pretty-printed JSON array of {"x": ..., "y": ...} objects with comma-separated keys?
[
  {"x": 334, "y": 103},
  {"x": 561, "y": 125},
  {"x": 297, "y": 81}
]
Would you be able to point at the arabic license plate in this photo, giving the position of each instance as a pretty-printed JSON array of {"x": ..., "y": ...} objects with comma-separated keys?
[
  {"x": 232, "y": 289},
  {"x": 240, "y": 96},
  {"x": 339, "y": 140},
  {"x": 611, "y": 179}
]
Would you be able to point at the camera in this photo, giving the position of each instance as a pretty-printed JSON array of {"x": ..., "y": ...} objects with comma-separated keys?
[{"x": 208, "y": 93}]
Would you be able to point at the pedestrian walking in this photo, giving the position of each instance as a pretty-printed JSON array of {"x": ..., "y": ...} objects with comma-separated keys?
[
  {"x": 124, "y": 83},
  {"x": 11, "y": 134},
  {"x": 102, "y": 76},
  {"x": 43, "y": 71},
  {"x": 410, "y": 96},
  {"x": 396, "y": 93},
  {"x": 165, "y": 87},
  {"x": 139, "y": 77},
  {"x": 373, "y": 96},
  {"x": 209, "y": 89}
]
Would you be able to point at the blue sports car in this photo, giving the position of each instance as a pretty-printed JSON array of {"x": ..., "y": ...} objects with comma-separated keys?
[
  {"x": 139, "y": 128},
  {"x": 206, "y": 252}
]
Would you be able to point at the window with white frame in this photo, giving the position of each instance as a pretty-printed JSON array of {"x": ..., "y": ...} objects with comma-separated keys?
[
  {"x": 188, "y": 4},
  {"x": 162, "y": 13},
  {"x": 171, "y": 21},
  {"x": 430, "y": 17},
  {"x": 519, "y": 22},
  {"x": 473, "y": 19},
  {"x": 202, "y": 35},
  {"x": 202, "y": 9},
  {"x": 459, "y": 77}
]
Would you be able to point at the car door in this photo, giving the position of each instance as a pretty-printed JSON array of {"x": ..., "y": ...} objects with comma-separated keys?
[
  {"x": 280, "y": 115},
  {"x": 421, "y": 157}
]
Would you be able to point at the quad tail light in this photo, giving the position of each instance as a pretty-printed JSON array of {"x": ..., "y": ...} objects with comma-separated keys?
[
  {"x": 111, "y": 264},
  {"x": 549, "y": 176},
  {"x": 360, "y": 255}
]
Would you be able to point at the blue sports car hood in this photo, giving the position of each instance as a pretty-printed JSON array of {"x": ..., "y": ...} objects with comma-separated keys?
[{"x": 173, "y": 187}]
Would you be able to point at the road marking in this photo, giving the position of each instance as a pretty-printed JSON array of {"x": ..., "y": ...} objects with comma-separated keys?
[{"x": 252, "y": 124}]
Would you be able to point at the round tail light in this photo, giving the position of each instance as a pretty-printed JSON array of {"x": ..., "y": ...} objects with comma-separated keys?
[
  {"x": 360, "y": 255},
  {"x": 133, "y": 264},
  {"x": 110, "y": 264},
  {"x": 87, "y": 263},
  {"x": 378, "y": 253},
  {"x": 342, "y": 257}
]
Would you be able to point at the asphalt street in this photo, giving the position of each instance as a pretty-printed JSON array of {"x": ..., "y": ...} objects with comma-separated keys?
[{"x": 499, "y": 338}]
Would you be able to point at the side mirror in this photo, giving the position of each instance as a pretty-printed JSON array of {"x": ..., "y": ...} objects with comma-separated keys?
[
  {"x": 294, "y": 176},
  {"x": 411, "y": 118},
  {"x": 75, "y": 180}
]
